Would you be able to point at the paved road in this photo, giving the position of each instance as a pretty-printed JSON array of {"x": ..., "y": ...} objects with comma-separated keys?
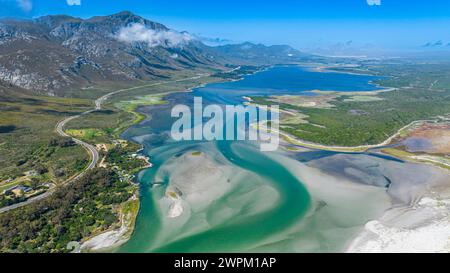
[
  {"x": 99, "y": 101},
  {"x": 29, "y": 201},
  {"x": 91, "y": 149}
]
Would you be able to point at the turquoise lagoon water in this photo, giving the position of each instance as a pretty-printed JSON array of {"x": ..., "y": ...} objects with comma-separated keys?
[{"x": 238, "y": 233}]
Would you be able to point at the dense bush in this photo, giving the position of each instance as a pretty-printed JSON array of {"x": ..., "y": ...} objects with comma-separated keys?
[
  {"x": 71, "y": 213},
  {"x": 61, "y": 142},
  {"x": 120, "y": 156}
]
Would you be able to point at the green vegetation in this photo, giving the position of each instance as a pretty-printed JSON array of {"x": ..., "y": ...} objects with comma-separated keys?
[
  {"x": 437, "y": 160},
  {"x": 33, "y": 155},
  {"x": 153, "y": 99},
  {"x": 87, "y": 135},
  {"x": 7, "y": 199},
  {"x": 400, "y": 153},
  {"x": 130, "y": 210},
  {"x": 131, "y": 105},
  {"x": 120, "y": 157},
  {"x": 26, "y": 128},
  {"x": 45, "y": 168},
  {"x": 100, "y": 126},
  {"x": 118, "y": 112},
  {"x": 131, "y": 207},
  {"x": 238, "y": 72},
  {"x": 362, "y": 98},
  {"x": 73, "y": 212},
  {"x": 359, "y": 122}
]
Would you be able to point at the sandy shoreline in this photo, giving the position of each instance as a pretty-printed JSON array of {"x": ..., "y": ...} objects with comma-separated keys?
[
  {"x": 418, "y": 220},
  {"x": 422, "y": 227},
  {"x": 106, "y": 240},
  {"x": 114, "y": 238}
]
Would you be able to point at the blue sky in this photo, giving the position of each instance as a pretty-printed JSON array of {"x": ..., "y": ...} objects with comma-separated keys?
[{"x": 305, "y": 24}]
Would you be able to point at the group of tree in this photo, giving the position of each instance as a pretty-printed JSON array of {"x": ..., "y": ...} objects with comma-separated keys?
[
  {"x": 73, "y": 212},
  {"x": 61, "y": 142}
]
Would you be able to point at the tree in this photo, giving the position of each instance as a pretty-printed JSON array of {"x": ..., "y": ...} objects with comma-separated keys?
[
  {"x": 40, "y": 169},
  {"x": 34, "y": 183}
]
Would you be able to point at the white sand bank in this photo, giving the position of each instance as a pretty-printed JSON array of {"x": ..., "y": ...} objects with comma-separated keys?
[
  {"x": 106, "y": 240},
  {"x": 338, "y": 212},
  {"x": 425, "y": 227},
  {"x": 205, "y": 190},
  {"x": 112, "y": 238}
]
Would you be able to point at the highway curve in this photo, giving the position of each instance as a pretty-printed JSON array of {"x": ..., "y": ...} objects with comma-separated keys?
[{"x": 91, "y": 149}]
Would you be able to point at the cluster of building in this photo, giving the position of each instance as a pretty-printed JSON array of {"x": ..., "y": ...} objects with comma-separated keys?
[{"x": 17, "y": 190}]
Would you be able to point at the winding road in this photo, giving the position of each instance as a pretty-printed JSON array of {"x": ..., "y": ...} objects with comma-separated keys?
[{"x": 90, "y": 148}]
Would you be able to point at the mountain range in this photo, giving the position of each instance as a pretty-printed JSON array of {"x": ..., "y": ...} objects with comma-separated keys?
[{"x": 52, "y": 54}]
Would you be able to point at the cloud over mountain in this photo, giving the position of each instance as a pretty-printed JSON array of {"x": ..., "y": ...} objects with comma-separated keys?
[
  {"x": 122, "y": 47},
  {"x": 139, "y": 33}
]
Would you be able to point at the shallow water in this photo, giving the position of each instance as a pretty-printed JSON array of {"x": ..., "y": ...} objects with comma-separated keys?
[
  {"x": 266, "y": 205},
  {"x": 417, "y": 144}
]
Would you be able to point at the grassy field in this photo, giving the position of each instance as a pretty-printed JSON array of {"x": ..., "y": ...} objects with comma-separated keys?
[
  {"x": 100, "y": 126},
  {"x": 27, "y": 124},
  {"x": 118, "y": 112},
  {"x": 130, "y": 210}
]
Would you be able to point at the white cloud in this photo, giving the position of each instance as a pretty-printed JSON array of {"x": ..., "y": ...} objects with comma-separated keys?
[
  {"x": 374, "y": 2},
  {"x": 73, "y": 2},
  {"x": 25, "y": 5},
  {"x": 139, "y": 33}
]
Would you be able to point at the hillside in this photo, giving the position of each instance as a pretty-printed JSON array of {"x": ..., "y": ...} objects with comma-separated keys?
[{"x": 56, "y": 53}]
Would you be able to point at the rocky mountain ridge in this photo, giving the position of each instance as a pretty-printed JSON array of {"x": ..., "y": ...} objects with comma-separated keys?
[{"x": 54, "y": 53}]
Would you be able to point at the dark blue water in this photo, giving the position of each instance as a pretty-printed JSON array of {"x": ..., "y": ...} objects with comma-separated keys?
[{"x": 282, "y": 80}]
